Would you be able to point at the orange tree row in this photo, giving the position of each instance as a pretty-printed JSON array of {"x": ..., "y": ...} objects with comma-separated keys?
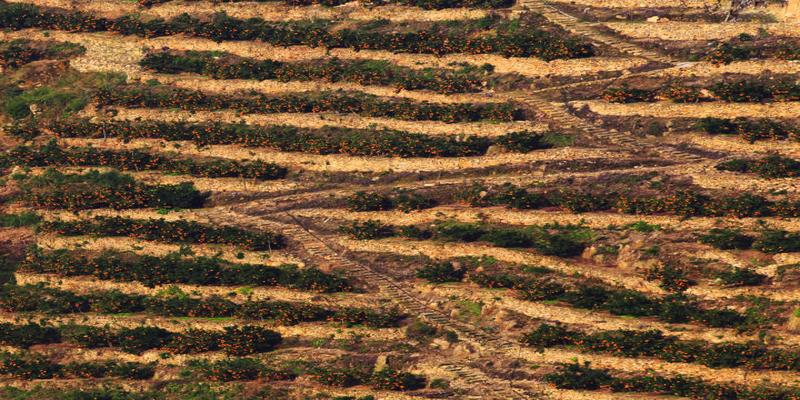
[
  {"x": 653, "y": 343},
  {"x": 747, "y": 47},
  {"x": 531, "y": 35},
  {"x": 181, "y": 231},
  {"x": 548, "y": 285},
  {"x": 17, "y": 52},
  {"x": 232, "y": 340},
  {"x": 248, "y": 369},
  {"x": 772, "y": 166},
  {"x": 736, "y": 90},
  {"x": 172, "y": 268},
  {"x": 686, "y": 202},
  {"x": 53, "y": 189},
  {"x": 325, "y": 140},
  {"x": 145, "y": 96},
  {"x": 425, "y": 4},
  {"x": 559, "y": 240},
  {"x": 582, "y": 377},
  {"x": 750, "y": 130},
  {"x": 365, "y": 72},
  {"x": 38, "y": 298},
  {"x": 52, "y": 154},
  {"x": 36, "y": 366}
]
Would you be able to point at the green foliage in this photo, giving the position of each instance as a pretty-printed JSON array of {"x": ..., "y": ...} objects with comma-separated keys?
[
  {"x": 173, "y": 268},
  {"x": 168, "y": 231},
  {"x": 162, "y": 96},
  {"x": 364, "y": 72},
  {"x": 772, "y": 166},
  {"x": 511, "y": 38},
  {"x": 737, "y": 276},
  {"x": 441, "y": 272},
  {"x": 324, "y": 140},
  {"x": 727, "y": 239},
  {"x": 367, "y": 230},
  {"x": 135, "y": 160},
  {"x": 19, "y": 220},
  {"x": 578, "y": 377},
  {"x": 94, "y": 189}
]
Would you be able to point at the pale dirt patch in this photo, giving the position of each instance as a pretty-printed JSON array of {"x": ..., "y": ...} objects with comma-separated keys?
[
  {"x": 319, "y": 120},
  {"x": 716, "y": 109},
  {"x": 679, "y": 30},
  {"x": 124, "y": 52},
  {"x": 267, "y": 10},
  {"x": 345, "y": 163},
  {"x": 86, "y": 284}
]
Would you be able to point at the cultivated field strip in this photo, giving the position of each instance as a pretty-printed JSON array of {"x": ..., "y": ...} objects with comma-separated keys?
[
  {"x": 267, "y": 10},
  {"x": 320, "y": 248}
]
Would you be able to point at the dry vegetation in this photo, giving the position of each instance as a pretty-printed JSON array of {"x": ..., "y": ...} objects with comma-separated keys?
[{"x": 399, "y": 199}]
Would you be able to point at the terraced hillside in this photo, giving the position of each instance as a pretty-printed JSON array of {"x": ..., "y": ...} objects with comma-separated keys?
[{"x": 399, "y": 199}]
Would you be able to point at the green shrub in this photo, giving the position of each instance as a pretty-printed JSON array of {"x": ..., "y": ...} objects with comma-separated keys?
[
  {"x": 248, "y": 340},
  {"x": 441, "y": 272},
  {"x": 578, "y": 377},
  {"x": 367, "y": 230},
  {"x": 95, "y": 189},
  {"x": 19, "y": 220},
  {"x": 727, "y": 239},
  {"x": 777, "y": 241},
  {"x": 511, "y": 38},
  {"x": 737, "y": 276},
  {"x": 168, "y": 231},
  {"x": 389, "y": 379}
]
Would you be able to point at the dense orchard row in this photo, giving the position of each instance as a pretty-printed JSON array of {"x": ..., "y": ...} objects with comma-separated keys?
[
  {"x": 173, "y": 268},
  {"x": 770, "y": 241},
  {"x": 181, "y": 231},
  {"x": 750, "y": 130},
  {"x": 512, "y": 38},
  {"x": 772, "y": 166},
  {"x": 583, "y": 377},
  {"x": 19, "y": 220},
  {"x": 559, "y": 240},
  {"x": 38, "y": 298},
  {"x": 424, "y": 4},
  {"x": 247, "y": 369},
  {"x": 15, "y": 53},
  {"x": 146, "y": 96},
  {"x": 686, "y": 202},
  {"x": 365, "y": 72},
  {"x": 53, "y": 189},
  {"x": 36, "y": 366},
  {"x": 402, "y": 200},
  {"x": 739, "y": 91},
  {"x": 54, "y": 155},
  {"x": 325, "y": 140},
  {"x": 653, "y": 343},
  {"x": 747, "y": 47},
  {"x": 674, "y": 308},
  {"x": 233, "y": 340}
]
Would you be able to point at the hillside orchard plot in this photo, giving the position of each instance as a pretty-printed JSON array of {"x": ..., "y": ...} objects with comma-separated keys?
[{"x": 399, "y": 199}]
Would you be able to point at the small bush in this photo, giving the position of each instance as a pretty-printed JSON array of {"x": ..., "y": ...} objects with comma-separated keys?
[{"x": 441, "y": 272}]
